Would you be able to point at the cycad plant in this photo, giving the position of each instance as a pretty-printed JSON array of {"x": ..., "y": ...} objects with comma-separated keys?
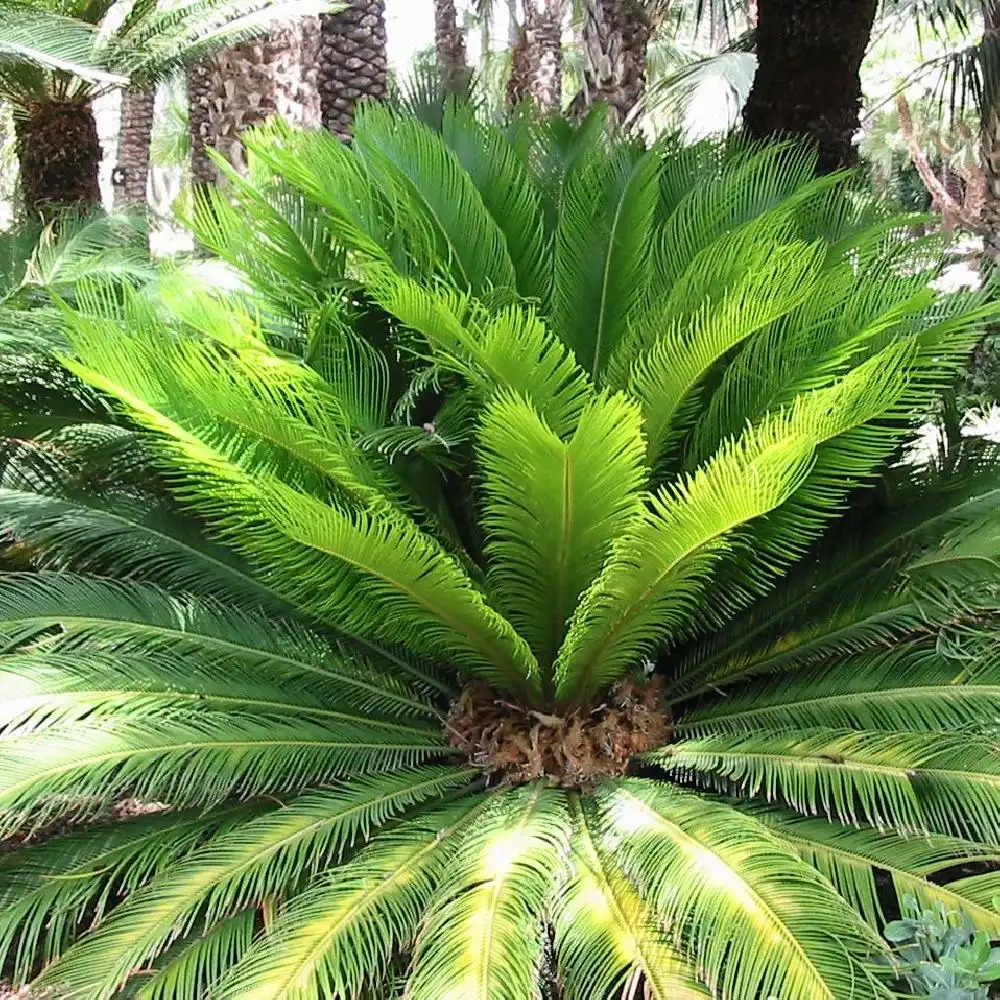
[{"x": 502, "y": 624}]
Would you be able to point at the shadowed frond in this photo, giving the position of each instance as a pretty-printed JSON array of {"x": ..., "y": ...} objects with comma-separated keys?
[
  {"x": 244, "y": 864},
  {"x": 339, "y": 935}
]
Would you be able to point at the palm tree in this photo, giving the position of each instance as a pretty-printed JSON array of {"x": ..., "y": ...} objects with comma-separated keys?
[
  {"x": 90, "y": 48},
  {"x": 641, "y": 706},
  {"x": 808, "y": 80},
  {"x": 353, "y": 63},
  {"x": 615, "y": 38},
  {"x": 449, "y": 43}
]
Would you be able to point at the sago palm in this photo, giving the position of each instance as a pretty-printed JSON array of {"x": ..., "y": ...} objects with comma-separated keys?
[{"x": 502, "y": 624}]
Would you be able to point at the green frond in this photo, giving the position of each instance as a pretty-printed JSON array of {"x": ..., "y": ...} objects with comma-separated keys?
[
  {"x": 429, "y": 186},
  {"x": 601, "y": 252},
  {"x": 76, "y": 613},
  {"x": 661, "y": 565},
  {"x": 914, "y": 783},
  {"x": 509, "y": 348},
  {"x": 49, "y": 890},
  {"x": 913, "y": 687},
  {"x": 87, "y": 531},
  {"x": 273, "y": 853},
  {"x": 51, "y": 41},
  {"x": 735, "y": 289},
  {"x": 43, "y": 688},
  {"x": 189, "y": 757},
  {"x": 373, "y": 568},
  {"x": 553, "y": 508},
  {"x": 862, "y": 556},
  {"x": 509, "y": 193},
  {"x": 850, "y": 856},
  {"x": 194, "y": 965},
  {"x": 757, "y": 919},
  {"x": 339, "y": 935},
  {"x": 481, "y": 939},
  {"x": 604, "y": 932}
]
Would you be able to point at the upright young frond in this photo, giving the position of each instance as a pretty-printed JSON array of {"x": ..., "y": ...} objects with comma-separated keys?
[
  {"x": 553, "y": 508},
  {"x": 601, "y": 253}
]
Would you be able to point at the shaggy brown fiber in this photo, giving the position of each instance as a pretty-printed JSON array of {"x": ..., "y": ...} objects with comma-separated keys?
[{"x": 515, "y": 745}]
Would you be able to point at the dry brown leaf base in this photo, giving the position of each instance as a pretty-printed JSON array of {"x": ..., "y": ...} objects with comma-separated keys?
[{"x": 515, "y": 745}]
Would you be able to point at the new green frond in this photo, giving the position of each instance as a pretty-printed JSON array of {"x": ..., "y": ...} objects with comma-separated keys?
[{"x": 553, "y": 508}]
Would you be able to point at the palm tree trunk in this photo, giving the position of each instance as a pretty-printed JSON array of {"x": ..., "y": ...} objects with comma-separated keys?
[
  {"x": 616, "y": 35},
  {"x": 989, "y": 140},
  {"x": 59, "y": 153},
  {"x": 545, "y": 43},
  {"x": 245, "y": 84},
  {"x": 808, "y": 80},
  {"x": 353, "y": 64},
  {"x": 449, "y": 44},
  {"x": 131, "y": 174}
]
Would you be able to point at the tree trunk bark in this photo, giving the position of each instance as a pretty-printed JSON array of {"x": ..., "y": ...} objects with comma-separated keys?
[
  {"x": 616, "y": 35},
  {"x": 545, "y": 43},
  {"x": 135, "y": 134},
  {"x": 808, "y": 80},
  {"x": 353, "y": 63},
  {"x": 59, "y": 153},
  {"x": 449, "y": 44},
  {"x": 989, "y": 141},
  {"x": 245, "y": 84}
]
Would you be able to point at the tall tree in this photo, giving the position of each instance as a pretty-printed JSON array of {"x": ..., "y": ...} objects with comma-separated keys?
[
  {"x": 135, "y": 135},
  {"x": 808, "y": 80},
  {"x": 353, "y": 64},
  {"x": 449, "y": 44},
  {"x": 990, "y": 125},
  {"x": 616, "y": 36},
  {"x": 246, "y": 83},
  {"x": 537, "y": 55},
  {"x": 53, "y": 66}
]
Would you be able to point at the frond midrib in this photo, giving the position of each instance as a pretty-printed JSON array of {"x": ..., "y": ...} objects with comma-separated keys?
[{"x": 679, "y": 833}]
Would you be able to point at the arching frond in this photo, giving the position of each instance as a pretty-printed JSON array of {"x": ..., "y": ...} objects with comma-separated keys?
[
  {"x": 482, "y": 937},
  {"x": 912, "y": 782},
  {"x": 194, "y": 965},
  {"x": 338, "y": 936},
  {"x": 849, "y": 857},
  {"x": 756, "y": 917},
  {"x": 267, "y": 855},
  {"x": 913, "y": 688},
  {"x": 74, "y": 612},
  {"x": 49, "y": 890},
  {"x": 604, "y": 930}
]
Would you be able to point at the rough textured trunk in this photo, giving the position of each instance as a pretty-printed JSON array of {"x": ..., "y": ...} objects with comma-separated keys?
[
  {"x": 521, "y": 68},
  {"x": 449, "y": 44},
  {"x": 134, "y": 137},
  {"x": 59, "y": 153},
  {"x": 808, "y": 80},
  {"x": 616, "y": 35},
  {"x": 989, "y": 142},
  {"x": 353, "y": 65},
  {"x": 247, "y": 83},
  {"x": 545, "y": 30}
]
